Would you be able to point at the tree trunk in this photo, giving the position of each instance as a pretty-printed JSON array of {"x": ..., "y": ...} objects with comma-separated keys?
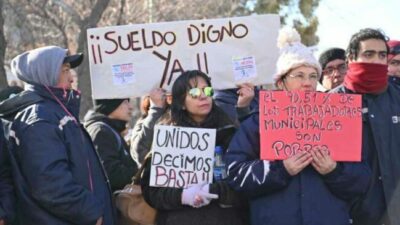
[
  {"x": 3, "y": 44},
  {"x": 83, "y": 71}
]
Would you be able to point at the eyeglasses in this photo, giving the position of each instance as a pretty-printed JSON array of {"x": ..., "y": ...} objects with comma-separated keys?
[
  {"x": 302, "y": 77},
  {"x": 395, "y": 50},
  {"x": 341, "y": 69},
  {"x": 196, "y": 92}
]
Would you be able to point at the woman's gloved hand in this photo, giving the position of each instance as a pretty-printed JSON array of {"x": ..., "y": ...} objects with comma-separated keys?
[{"x": 197, "y": 195}]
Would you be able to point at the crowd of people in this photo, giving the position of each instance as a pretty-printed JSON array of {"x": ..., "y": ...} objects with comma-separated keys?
[{"x": 57, "y": 169}]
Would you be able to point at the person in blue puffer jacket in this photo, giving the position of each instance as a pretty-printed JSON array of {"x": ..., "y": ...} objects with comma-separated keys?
[
  {"x": 238, "y": 103},
  {"x": 58, "y": 176},
  {"x": 309, "y": 188}
]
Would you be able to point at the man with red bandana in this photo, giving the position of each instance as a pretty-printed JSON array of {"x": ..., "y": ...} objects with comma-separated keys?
[
  {"x": 394, "y": 61},
  {"x": 367, "y": 56}
]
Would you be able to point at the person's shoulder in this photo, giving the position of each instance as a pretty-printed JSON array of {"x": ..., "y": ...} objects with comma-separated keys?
[
  {"x": 394, "y": 91},
  {"x": 18, "y": 102},
  {"x": 255, "y": 114},
  {"x": 43, "y": 111},
  {"x": 252, "y": 120},
  {"x": 227, "y": 95},
  {"x": 101, "y": 128},
  {"x": 394, "y": 87},
  {"x": 49, "y": 110}
]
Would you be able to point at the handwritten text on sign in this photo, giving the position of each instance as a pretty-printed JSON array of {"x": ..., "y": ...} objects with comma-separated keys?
[
  {"x": 155, "y": 54},
  {"x": 305, "y": 121},
  {"x": 182, "y": 156}
]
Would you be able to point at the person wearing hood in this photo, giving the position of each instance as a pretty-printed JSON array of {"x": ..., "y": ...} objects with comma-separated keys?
[
  {"x": 367, "y": 56},
  {"x": 306, "y": 188},
  {"x": 105, "y": 123},
  {"x": 57, "y": 175},
  {"x": 394, "y": 61}
]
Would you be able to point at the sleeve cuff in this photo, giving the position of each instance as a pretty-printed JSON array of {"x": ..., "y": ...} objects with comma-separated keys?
[
  {"x": 242, "y": 111},
  {"x": 214, "y": 188},
  {"x": 156, "y": 110},
  {"x": 284, "y": 173},
  {"x": 154, "y": 114},
  {"x": 335, "y": 172}
]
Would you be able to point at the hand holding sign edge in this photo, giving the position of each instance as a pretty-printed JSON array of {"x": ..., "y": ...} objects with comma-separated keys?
[
  {"x": 297, "y": 162},
  {"x": 322, "y": 162}
]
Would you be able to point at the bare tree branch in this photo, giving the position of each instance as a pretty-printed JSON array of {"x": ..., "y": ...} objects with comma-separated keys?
[
  {"x": 74, "y": 15},
  {"x": 88, "y": 22},
  {"x": 47, "y": 15},
  {"x": 121, "y": 12}
]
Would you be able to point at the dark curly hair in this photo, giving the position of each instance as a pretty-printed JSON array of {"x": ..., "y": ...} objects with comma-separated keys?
[{"x": 364, "y": 34}]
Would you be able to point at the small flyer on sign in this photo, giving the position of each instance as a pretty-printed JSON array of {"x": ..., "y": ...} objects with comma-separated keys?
[
  {"x": 244, "y": 68},
  {"x": 123, "y": 74}
]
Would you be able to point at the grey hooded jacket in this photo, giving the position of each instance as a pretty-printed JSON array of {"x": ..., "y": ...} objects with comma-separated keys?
[{"x": 39, "y": 66}]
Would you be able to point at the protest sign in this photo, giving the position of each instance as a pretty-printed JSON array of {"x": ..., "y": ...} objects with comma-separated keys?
[
  {"x": 182, "y": 156},
  {"x": 130, "y": 60},
  {"x": 305, "y": 121}
]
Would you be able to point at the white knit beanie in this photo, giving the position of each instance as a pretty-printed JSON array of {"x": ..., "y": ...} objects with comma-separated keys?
[{"x": 293, "y": 53}]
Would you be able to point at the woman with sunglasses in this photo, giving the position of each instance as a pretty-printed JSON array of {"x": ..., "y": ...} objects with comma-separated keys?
[
  {"x": 308, "y": 188},
  {"x": 193, "y": 106}
]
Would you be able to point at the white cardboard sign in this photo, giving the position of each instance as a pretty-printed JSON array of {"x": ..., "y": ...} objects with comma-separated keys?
[
  {"x": 182, "y": 156},
  {"x": 130, "y": 60}
]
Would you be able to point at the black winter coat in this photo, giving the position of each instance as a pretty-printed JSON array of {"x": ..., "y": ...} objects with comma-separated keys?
[
  {"x": 7, "y": 196},
  {"x": 112, "y": 148}
]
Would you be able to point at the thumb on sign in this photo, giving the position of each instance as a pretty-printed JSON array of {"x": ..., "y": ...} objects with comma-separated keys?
[
  {"x": 208, "y": 195},
  {"x": 205, "y": 196}
]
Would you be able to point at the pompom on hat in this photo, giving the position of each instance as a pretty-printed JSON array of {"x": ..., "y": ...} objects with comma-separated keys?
[{"x": 293, "y": 53}]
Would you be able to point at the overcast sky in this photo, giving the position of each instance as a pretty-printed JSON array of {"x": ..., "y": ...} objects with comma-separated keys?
[{"x": 339, "y": 19}]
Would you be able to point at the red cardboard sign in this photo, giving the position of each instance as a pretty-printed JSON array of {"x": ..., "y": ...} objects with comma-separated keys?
[{"x": 303, "y": 121}]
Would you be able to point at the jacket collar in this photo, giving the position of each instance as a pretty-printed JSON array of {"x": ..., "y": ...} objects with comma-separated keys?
[
  {"x": 10, "y": 107},
  {"x": 69, "y": 98},
  {"x": 93, "y": 117},
  {"x": 394, "y": 80}
]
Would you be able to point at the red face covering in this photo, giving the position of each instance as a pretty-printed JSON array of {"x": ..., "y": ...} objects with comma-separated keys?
[{"x": 366, "y": 78}]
